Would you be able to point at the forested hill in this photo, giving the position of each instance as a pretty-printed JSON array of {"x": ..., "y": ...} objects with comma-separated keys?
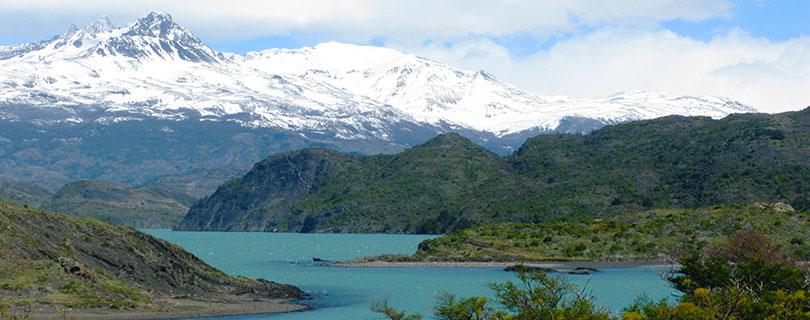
[{"x": 449, "y": 183}]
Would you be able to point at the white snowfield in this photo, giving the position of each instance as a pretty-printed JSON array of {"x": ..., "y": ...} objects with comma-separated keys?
[{"x": 154, "y": 68}]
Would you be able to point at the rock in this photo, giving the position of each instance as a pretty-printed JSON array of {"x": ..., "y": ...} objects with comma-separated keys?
[
  {"x": 525, "y": 268},
  {"x": 578, "y": 271},
  {"x": 73, "y": 267},
  {"x": 783, "y": 207},
  {"x": 589, "y": 269},
  {"x": 778, "y": 206}
]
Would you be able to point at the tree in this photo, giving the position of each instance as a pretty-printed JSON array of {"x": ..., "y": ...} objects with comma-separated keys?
[
  {"x": 391, "y": 313},
  {"x": 473, "y": 308},
  {"x": 535, "y": 296},
  {"x": 540, "y": 296}
]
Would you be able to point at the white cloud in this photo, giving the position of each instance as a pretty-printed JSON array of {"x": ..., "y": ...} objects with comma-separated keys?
[
  {"x": 771, "y": 76},
  {"x": 366, "y": 19}
]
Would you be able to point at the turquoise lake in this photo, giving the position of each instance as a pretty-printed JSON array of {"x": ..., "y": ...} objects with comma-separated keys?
[{"x": 346, "y": 293}]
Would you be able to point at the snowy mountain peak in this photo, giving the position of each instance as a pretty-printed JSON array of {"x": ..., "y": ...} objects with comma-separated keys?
[
  {"x": 154, "y": 37},
  {"x": 156, "y": 17},
  {"x": 101, "y": 25},
  {"x": 160, "y": 25},
  {"x": 74, "y": 36}
]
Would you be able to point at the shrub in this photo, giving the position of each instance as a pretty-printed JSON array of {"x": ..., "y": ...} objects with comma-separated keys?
[
  {"x": 534, "y": 296},
  {"x": 744, "y": 277}
]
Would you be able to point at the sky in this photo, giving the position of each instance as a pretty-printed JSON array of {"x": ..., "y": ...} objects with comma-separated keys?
[{"x": 753, "y": 51}]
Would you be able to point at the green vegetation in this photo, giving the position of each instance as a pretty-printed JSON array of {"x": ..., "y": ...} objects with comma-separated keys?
[
  {"x": 144, "y": 207},
  {"x": 745, "y": 276},
  {"x": 648, "y": 235},
  {"x": 449, "y": 183},
  {"x": 51, "y": 261}
]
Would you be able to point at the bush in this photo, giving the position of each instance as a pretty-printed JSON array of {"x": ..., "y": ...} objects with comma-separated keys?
[
  {"x": 743, "y": 277},
  {"x": 535, "y": 296},
  {"x": 746, "y": 259}
]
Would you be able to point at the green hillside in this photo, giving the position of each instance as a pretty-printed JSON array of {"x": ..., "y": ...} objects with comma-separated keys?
[
  {"x": 649, "y": 235},
  {"x": 670, "y": 162},
  {"x": 449, "y": 183},
  {"x": 52, "y": 261},
  {"x": 279, "y": 192}
]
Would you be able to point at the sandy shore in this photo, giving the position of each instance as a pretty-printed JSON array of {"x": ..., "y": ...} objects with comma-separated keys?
[
  {"x": 555, "y": 265},
  {"x": 183, "y": 308}
]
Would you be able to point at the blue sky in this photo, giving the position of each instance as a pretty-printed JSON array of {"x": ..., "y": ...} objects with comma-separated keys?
[
  {"x": 754, "y": 51},
  {"x": 775, "y": 20}
]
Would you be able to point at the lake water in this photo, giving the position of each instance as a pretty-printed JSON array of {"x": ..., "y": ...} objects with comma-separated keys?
[{"x": 346, "y": 293}]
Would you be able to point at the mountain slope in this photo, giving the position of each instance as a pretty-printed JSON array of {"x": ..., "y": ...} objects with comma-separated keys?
[
  {"x": 143, "y": 207},
  {"x": 53, "y": 261},
  {"x": 24, "y": 193},
  {"x": 148, "y": 99},
  {"x": 449, "y": 183},
  {"x": 198, "y": 183},
  {"x": 276, "y": 182}
]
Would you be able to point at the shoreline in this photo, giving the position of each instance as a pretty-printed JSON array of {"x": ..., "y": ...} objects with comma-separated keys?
[
  {"x": 182, "y": 308},
  {"x": 561, "y": 266}
]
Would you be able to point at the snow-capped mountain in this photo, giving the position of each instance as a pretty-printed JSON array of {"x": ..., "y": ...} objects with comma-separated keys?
[
  {"x": 150, "y": 98},
  {"x": 433, "y": 92},
  {"x": 155, "y": 68}
]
